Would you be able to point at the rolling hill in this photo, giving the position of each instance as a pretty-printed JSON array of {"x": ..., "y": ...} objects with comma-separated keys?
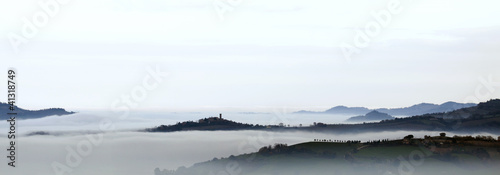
[
  {"x": 371, "y": 116},
  {"x": 418, "y": 109},
  {"x": 30, "y": 114},
  {"x": 429, "y": 155}
]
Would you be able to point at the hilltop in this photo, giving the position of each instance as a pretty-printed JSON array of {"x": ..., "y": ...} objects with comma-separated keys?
[
  {"x": 31, "y": 114},
  {"x": 205, "y": 124}
]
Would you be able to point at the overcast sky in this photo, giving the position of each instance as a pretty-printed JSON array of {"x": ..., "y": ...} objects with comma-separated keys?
[{"x": 262, "y": 55}]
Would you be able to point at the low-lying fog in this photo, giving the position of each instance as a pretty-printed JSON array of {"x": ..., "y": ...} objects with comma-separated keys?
[
  {"x": 140, "y": 120},
  {"x": 133, "y": 153}
]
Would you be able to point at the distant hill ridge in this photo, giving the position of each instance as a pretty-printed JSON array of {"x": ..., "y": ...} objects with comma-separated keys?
[
  {"x": 418, "y": 109},
  {"x": 489, "y": 109},
  {"x": 371, "y": 116},
  {"x": 485, "y": 117},
  {"x": 30, "y": 114}
]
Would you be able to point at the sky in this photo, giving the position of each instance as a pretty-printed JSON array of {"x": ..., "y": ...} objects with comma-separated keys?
[{"x": 249, "y": 55}]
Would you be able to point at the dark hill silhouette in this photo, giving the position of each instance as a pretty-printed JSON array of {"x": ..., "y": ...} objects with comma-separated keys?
[
  {"x": 482, "y": 110},
  {"x": 452, "y": 155},
  {"x": 206, "y": 124},
  {"x": 371, "y": 116},
  {"x": 30, "y": 114}
]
